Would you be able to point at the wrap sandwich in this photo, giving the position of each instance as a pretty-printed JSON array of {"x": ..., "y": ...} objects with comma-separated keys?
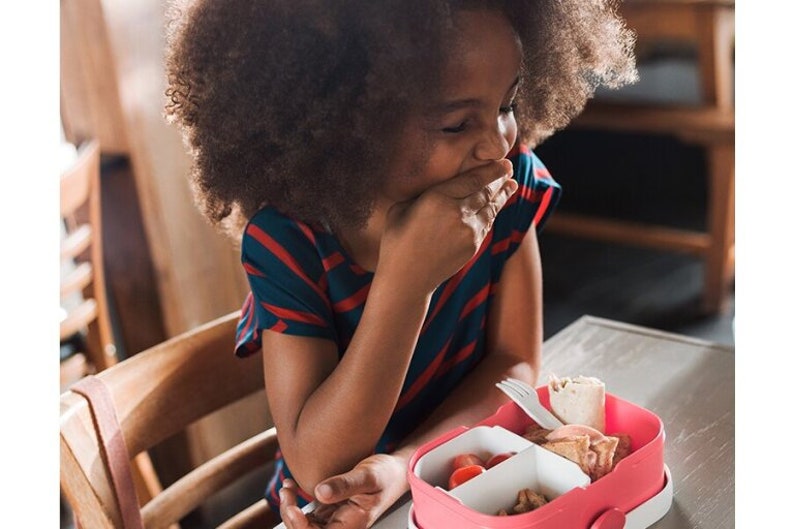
[{"x": 578, "y": 400}]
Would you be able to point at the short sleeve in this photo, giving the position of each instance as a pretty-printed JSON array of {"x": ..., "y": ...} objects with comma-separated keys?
[
  {"x": 533, "y": 203},
  {"x": 286, "y": 277},
  {"x": 538, "y": 192}
]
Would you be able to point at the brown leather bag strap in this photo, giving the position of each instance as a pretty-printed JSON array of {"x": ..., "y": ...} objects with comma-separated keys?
[{"x": 114, "y": 448}]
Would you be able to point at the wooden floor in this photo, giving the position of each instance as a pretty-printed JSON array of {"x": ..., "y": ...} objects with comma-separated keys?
[
  {"x": 638, "y": 178},
  {"x": 627, "y": 284}
]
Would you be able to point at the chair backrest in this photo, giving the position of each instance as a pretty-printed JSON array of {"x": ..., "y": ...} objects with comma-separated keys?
[
  {"x": 156, "y": 394},
  {"x": 707, "y": 24},
  {"x": 83, "y": 293},
  {"x": 84, "y": 298}
]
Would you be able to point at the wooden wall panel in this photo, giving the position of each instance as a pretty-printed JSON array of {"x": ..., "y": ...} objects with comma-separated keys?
[
  {"x": 198, "y": 269},
  {"x": 90, "y": 105}
]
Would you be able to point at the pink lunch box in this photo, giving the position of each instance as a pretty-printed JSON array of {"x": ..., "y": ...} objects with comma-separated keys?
[{"x": 639, "y": 484}]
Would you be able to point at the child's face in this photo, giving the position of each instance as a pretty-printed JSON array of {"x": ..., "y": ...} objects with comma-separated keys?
[{"x": 473, "y": 123}]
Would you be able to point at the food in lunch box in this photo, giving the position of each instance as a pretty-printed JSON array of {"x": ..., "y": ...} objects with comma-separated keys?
[
  {"x": 536, "y": 434},
  {"x": 467, "y": 466},
  {"x": 526, "y": 501},
  {"x": 595, "y": 453},
  {"x": 624, "y": 447},
  {"x": 578, "y": 400},
  {"x": 464, "y": 460},
  {"x": 463, "y": 474},
  {"x": 498, "y": 458}
]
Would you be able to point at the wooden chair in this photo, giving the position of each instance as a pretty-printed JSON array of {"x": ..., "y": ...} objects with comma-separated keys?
[
  {"x": 708, "y": 24},
  {"x": 156, "y": 394},
  {"x": 83, "y": 295},
  {"x": 86, "y": 326}
]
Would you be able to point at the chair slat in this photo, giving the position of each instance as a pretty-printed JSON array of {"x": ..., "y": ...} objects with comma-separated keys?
[
  {"x": 205, "y": 480},
  {"x": 78, "y": 319},
  {"x": 81, "y": 212},
  {"x": 76, "y": 242},
  {"x": 76, "y": 181},
  {"x": 77, "y": 280},
  {"x": 73, "y": 369}
]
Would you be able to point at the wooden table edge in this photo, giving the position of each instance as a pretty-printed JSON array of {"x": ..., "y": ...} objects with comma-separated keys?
[{"x": 587, "y": 320}]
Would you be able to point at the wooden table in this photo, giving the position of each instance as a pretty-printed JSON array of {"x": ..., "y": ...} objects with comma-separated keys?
[{"x": 689, "y": 383}]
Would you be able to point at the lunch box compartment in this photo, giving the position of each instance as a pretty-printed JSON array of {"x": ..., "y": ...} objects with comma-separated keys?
[
  {"x": 533, "y": 468},
  {"x": 497, "y": 488},
  {"x": 435, "y": 466}
]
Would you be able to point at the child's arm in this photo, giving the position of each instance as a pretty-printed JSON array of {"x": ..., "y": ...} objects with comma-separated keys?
[
  {"x": 330, "y": 412},
  {"x": 514, "y": 336}
]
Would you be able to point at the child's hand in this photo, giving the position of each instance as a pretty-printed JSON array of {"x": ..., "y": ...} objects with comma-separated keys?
[
  {"x": 353, "y": 500},
  {"x": 430, "y": 238}
]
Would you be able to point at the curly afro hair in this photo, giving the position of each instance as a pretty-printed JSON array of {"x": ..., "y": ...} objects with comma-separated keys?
[{"x": 296, "y": 103}]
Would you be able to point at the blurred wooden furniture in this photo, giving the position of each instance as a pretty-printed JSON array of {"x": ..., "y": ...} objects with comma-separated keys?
[
  {"x": 91, "y": 107},
  {"x": 708, "y": 24},
  {"x": 154, "y": 395},
  {"x": 86, "y": 323},
  {"x": 113, "y": 88},
  {"x": 90, "y": 102}
]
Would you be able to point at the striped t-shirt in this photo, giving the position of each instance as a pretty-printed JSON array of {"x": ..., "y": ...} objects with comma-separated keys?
[{"x": 304, "y": 283}]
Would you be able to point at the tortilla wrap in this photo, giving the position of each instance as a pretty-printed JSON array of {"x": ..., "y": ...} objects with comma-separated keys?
[{"x": 578, "y": 400}]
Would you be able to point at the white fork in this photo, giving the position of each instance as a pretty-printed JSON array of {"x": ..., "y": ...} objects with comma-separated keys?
[{"x": 527, "y": 398}]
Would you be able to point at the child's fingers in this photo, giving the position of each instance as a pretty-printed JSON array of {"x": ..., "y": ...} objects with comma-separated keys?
[
  {"x": 486, "y": 196},
  {"x": 343, "y": 486},
  {"x": 477, "y": 180},
  {"x": 290, "y": 513},
  {"x": 488, "y": 212}
]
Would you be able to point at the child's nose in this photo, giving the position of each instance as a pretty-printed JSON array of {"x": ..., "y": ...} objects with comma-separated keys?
[{"x": 495, "y": 142}]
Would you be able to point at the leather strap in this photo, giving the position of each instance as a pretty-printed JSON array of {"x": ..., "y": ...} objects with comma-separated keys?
[{"x": 115, "y": 449}]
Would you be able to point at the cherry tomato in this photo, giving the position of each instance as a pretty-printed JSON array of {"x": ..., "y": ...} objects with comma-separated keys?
[
  {"x": 465, "y": 460},
  {"x": 498, "y": 458},
  {"x": 464, "y": 474}
]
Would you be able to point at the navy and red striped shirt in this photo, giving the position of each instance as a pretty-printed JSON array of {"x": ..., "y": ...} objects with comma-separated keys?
[{"x": 304, "y": 283}]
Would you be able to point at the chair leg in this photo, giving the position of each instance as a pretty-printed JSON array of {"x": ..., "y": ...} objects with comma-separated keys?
[
  {"x": 718, "y": 262},
  {"x": 715, "y": 30}
]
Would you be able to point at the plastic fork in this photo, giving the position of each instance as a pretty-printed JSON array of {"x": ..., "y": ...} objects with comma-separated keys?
[{"x": 527, "y": 398}]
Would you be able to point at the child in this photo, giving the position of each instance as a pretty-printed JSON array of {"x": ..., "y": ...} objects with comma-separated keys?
[{"x": 369, "y": 151}]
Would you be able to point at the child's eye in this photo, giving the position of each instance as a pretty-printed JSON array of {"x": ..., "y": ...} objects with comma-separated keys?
[
  {"x": 456, "y": 129},
  {"x": 509, "y": 108}
]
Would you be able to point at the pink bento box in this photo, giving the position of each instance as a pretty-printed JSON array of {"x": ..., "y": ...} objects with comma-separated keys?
[{"x": 635, "y": 480}]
